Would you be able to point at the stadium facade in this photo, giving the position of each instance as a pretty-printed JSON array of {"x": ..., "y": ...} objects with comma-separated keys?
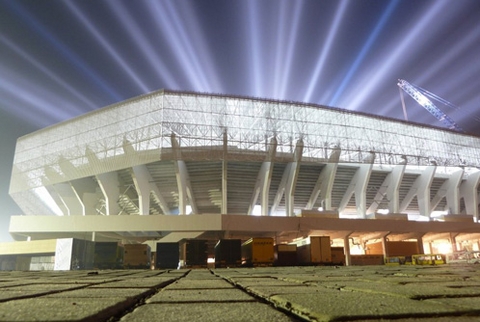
[{"x": 170, "y": 165}]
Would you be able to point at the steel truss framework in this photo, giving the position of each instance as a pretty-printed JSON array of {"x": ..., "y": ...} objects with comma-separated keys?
[{"x": 140, "y": 131}]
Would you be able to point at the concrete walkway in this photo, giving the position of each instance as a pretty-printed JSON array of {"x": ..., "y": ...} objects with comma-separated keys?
[{"x": 358, "y": 293}]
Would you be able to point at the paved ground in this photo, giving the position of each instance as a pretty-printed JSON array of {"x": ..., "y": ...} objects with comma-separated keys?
[{"x": 358, "y": 293}]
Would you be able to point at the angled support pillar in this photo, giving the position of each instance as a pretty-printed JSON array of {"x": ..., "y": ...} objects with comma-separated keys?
[
  {"x": 394, "y": 188},
  {"x": 389, "y": 188},
  {"x": 109, "y": 185},
  {"x": 185, "y": 192},
  {"x": 141, "y": 179},
  {"x": 262, "y": 186},
  {"x": 468, "y": 191},
  {"x": 358, "y": 185},
  {"x": 224, "y": 208},
  {"x": 56, "y": 198},
  {"x": 450, "y": 190},
  {"x": 292, "y": 179},
  {"x": 421, "y": 189},
  {"x": 67, "y": 168},
  {"x": 70, "y": 199},
  {"x": 144, "y": 184},
  {"x": 289, "y": 179},
  {"x": 86, "y": 190},
  {"x": 323, "y": 186}
]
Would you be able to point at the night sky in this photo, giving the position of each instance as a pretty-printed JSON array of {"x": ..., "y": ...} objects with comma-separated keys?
[{"x": 60, "y": 59}]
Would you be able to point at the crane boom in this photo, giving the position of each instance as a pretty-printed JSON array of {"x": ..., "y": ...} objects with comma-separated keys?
[{"x": 416, "y": 94}]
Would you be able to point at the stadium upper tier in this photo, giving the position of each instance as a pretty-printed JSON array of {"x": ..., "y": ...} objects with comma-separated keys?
[{"x": 168, "y": 152}]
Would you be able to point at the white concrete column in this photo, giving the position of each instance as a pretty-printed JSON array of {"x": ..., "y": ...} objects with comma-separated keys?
[
  {"x": 385, "y": 246},
  {"x": 420, "y": 245},
  {"x": 453, "y": 242},
  {"x": 185, "y": 192},
  {"x": 468, "y": 191},
  {"x": 86, "y": 190},
  {"x": 57, "y": 199},
  {"x": 224, "y": 208},
  {"x": 389, "y": 188},
  {"x": 51, "y": 176},
  {"x": 394, "y": 188},
  {"x": 267, "y": 177},
  {"x": 141, "y": 179},
  {"x": 145, "y": 186},
  {"x": 262, "y": 187},
  {"x": 265, "y": 187},
  {"x": 289, "y": 179},
  {"x": 324, "y": 185},
  {"x": 346, "y": 250},
  {"x": 421, "y": 189},
  {"x": 180, "y": 173},
  {"x": 450, "y": 190},
  {"x": 70, "y": 199},
  {"x": 109, "y": 185},
  {"x": 358, "y": 185}
]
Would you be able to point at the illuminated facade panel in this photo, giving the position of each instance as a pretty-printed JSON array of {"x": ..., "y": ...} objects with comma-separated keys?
[{"x": 144, "y": 130}]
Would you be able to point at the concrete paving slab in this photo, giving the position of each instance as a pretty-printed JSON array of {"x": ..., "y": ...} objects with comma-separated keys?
[
  {"x": 468, "y": 303},
  {"x": 200, "y": 274},
  {"x": 329, "y": 305},
  {"x": 63, "y": 309},
  {"x": 45, "y": 287},
  {"x": 6, "y": 295},
  {"x": 139, "y": 282},
  {"x": 207, "y": 312},
  {"x": 92, "y": 292},
  {"x": 367, "y": 293},
  {"x": 251, "y": 281},
  {"x": 412, "y": 290},
  {"x": 452, "y": 318},
  {"x": 199, "y": 284},
  {"x": 268, "y": 291},
  {"x": 200, "y": 295}
]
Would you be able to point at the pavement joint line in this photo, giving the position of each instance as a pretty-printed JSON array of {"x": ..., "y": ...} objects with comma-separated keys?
[
  {"x": 447, "y": 296},
  {"x": 36, "y": 295},
  {"x": 260, "y": 299},
  {"x": 140, "y": 300},
  {"x": 293, "y": 309},
  {"x": 253, "y": 300},
  {"x": 305, "y": 314}
]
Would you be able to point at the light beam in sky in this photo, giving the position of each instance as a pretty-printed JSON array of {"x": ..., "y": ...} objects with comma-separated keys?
[
  {"x": 401, "y": 46},
  {"x": 138, "y": 38},
  {"x": 36, "y": 107},
  {"x": 68, "y": 54},
  {"x": 56, "y": 78},
  {"x": 173, "y": 27},
  {"x": 285, "y": 60},
  {"x": 254, "y": 52},
  {"x": 113, "y": 52},
  {"x": 364, "y": 51},
  {"x": 326, "y": 50}
]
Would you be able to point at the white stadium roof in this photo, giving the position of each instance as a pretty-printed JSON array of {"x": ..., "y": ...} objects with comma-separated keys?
[{"x": 167, "y": 152}]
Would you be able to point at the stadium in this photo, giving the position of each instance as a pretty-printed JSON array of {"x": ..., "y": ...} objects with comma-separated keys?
[{"x": 172, "y": 165}]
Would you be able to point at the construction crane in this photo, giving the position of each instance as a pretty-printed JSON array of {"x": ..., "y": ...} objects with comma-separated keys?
[{"x": 420, "y": 95}]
